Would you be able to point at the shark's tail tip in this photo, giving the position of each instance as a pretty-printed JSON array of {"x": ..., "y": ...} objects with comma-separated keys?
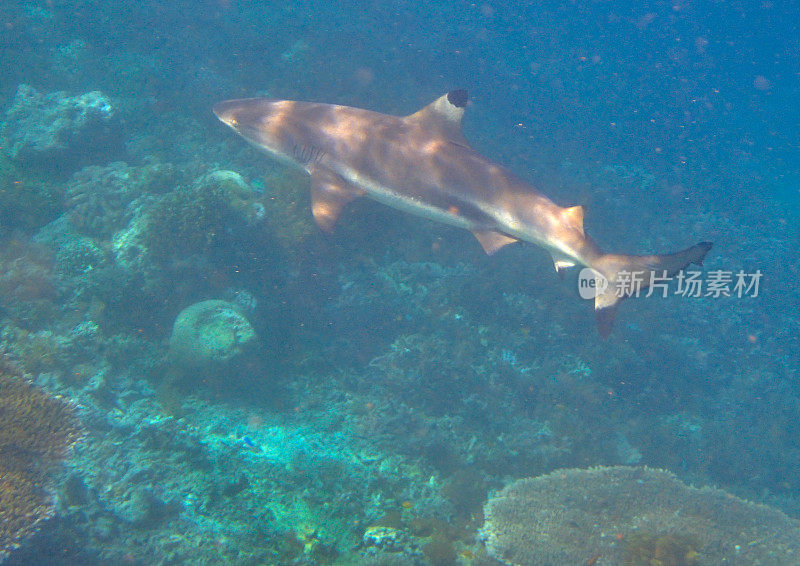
[{"x": 703, "y": 248}]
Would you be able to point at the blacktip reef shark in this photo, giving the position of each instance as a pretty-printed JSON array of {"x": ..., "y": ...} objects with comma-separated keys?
[{"x": 422, "y": 164}]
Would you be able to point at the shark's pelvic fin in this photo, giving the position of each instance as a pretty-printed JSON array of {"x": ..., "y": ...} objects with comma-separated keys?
[
  {"x": 329, "y": 194},
  {"x": 492, "y": 241},
  {"x": 561, "y": 262},
  {"x": 444, "y": 114}
]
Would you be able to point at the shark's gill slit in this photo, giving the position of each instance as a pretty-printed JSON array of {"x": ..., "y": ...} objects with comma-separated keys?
[{"x": 306, "y": 154}]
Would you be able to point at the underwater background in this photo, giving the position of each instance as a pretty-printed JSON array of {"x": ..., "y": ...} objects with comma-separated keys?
[{"x": 193, "y": 373}]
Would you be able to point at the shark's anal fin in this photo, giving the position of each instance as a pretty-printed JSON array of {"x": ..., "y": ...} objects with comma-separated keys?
[
  {"x": 492, "y": 241},
  {"x": 329, "y": 194}
]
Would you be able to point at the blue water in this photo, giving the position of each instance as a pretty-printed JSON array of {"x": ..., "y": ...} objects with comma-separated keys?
[{"x": 390, "y": 375}]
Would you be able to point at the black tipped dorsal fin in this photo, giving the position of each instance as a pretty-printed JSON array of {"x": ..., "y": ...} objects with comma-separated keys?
[{"x": 444, "y": 114}]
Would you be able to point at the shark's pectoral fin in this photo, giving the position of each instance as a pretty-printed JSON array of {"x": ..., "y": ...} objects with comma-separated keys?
[
  {"x": 492, "y": 241},
  {"x": 329, "y": 194},
  {"x": 444, "y": 115}
]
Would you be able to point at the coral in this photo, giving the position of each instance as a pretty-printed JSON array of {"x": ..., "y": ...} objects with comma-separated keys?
[
  {"x": 287, "y": 207},
  {"x": 431, "y": 372},
  {"x": 26, "y": 201},
  {"x": 77, "y": 256},
  {"x": 101, "y": 199},
  {"x": 34, "y": 424},
  {"x": 36, "y": 430},
  {"x": 23, "y": 506},
  {"x": 440, "y": 551},
  {"x": 238, "y": 193},
  {"x": 210, "y": 332},
  {"x": 28, "y": 290},
  {"x": 643, "y": 549},
  {"x": 58, "y": 132},
  {"x": 185, "y": 222},
  {"x": 389, "y": 540},
  {"x": 577, "y": 515},
  {"x": 40, "y": 351},
  {"x": 466, "y": 490}
]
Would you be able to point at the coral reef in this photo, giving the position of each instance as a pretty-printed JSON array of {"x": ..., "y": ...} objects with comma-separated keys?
[
  {"x": 56, "y": 132},
  {"x": 400, "y": 375},
  {"x": 36, "y": 430},
  {"x": 629, "y": 515}
]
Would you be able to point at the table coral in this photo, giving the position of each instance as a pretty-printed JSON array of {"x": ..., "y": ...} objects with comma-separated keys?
[{"x": 632, "y": 515}]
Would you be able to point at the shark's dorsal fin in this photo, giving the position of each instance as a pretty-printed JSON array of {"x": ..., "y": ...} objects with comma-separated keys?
[
  {"x": 444, "y": 114},
  {"x": 329, "y": 194},
  {"x": 492, "y": 241}
]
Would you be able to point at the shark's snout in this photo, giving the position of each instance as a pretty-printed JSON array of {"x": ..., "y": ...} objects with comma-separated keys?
[{"x": 226, "y": 112}]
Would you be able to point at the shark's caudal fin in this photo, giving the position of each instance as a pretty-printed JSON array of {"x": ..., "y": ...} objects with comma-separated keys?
[{"x": 617, "y": 277}]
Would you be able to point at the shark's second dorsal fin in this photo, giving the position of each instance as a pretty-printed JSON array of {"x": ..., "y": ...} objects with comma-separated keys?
[{"x": 444, "y": 114}]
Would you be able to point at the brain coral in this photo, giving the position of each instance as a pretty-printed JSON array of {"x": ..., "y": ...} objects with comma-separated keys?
[
  {"x": 210, "y": 332},
  {"x": 597, "y": 515}
]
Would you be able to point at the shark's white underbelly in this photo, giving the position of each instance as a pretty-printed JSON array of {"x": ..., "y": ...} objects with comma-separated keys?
[
  {"x": 394, "y": 198},
  {"x": 492, "y": 218}
]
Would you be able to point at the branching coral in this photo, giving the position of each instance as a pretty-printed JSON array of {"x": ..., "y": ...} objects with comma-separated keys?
[
  {"x": 624, "y": 515},
  {"x": 36, "y": 430},
  {"x": 33, "y": 423}
]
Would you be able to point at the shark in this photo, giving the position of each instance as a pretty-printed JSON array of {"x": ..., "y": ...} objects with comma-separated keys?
[{"x": 422, "y": 164}]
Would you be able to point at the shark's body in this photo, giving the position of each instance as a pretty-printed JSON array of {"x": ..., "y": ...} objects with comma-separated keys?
[{"x": 422, "y": 164}]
